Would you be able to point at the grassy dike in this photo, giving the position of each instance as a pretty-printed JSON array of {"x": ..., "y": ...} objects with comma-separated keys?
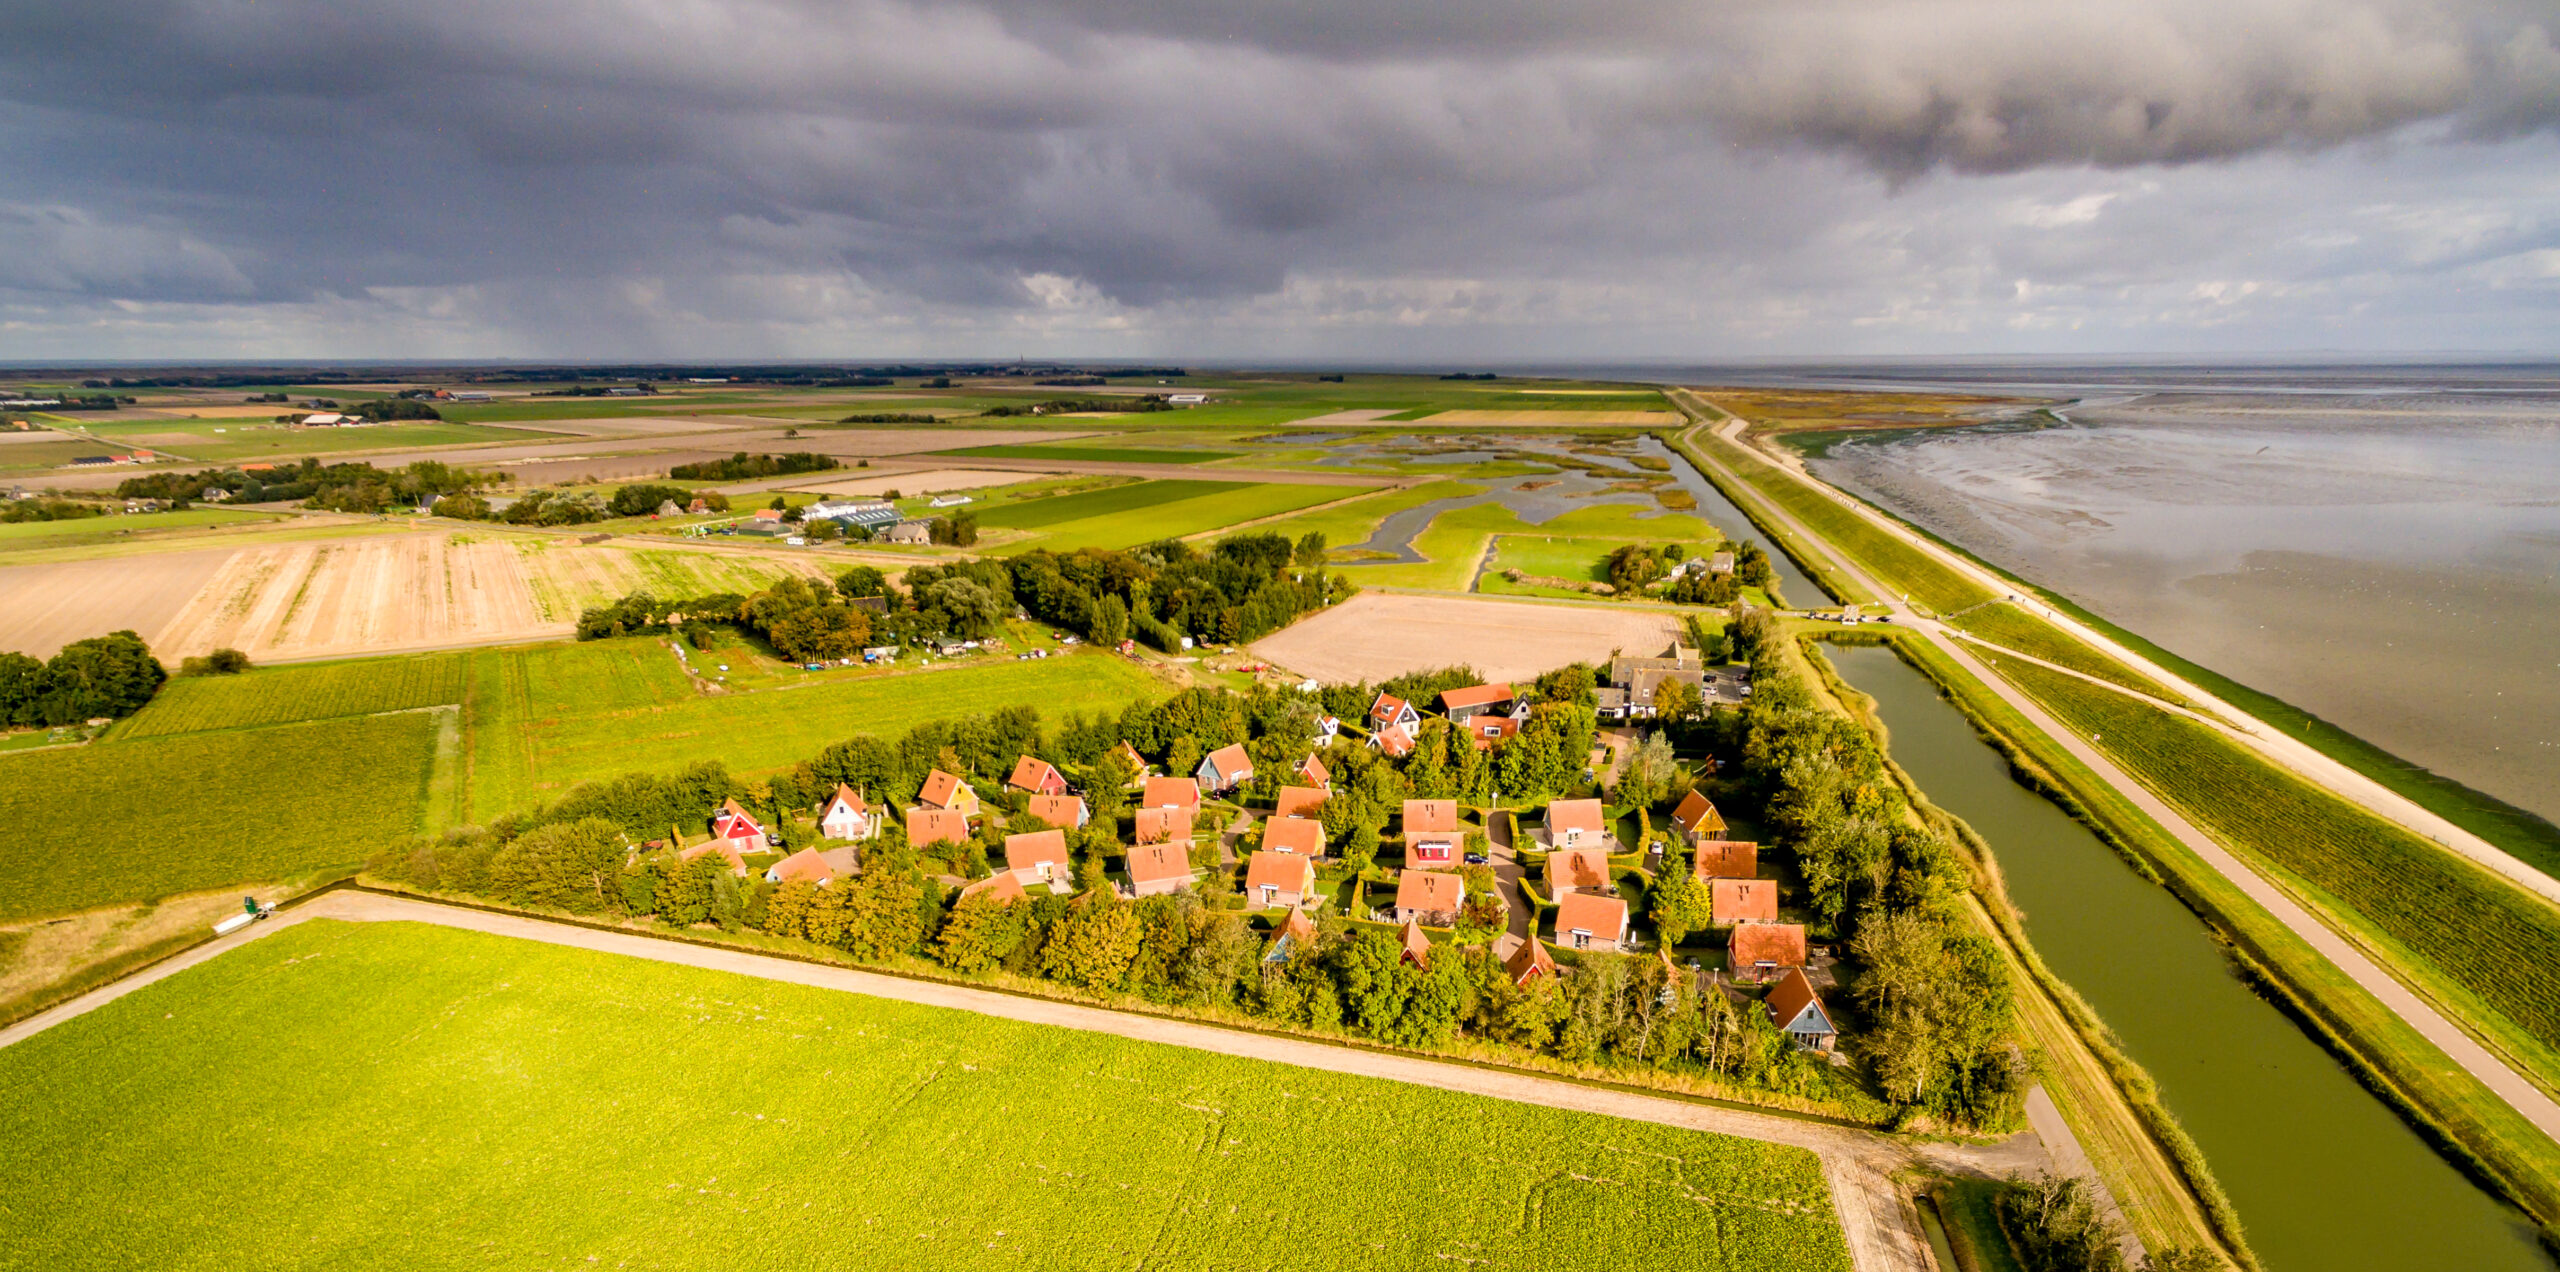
[
  {"x": 1815, "y": 562},
  {"x": 2156, "y": 1171}
]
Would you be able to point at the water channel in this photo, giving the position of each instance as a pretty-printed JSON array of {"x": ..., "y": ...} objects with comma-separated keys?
[{"x": 2325, "y": 1176}]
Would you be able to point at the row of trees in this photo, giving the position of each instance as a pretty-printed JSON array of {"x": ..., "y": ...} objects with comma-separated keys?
[
  {"x": 48, "y": 508},
  {"x": 1245, "y": 587},
  {"x": 745, "y": 467},
  {"x": 349, "y": 487},
  {"x": 104, "y": 676}
]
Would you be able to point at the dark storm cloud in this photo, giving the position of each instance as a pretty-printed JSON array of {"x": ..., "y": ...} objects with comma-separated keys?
[{"x": 579, "y": 161}]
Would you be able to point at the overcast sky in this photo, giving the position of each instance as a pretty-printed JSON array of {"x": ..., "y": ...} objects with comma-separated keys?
[{"x": 1372, "y": 180}]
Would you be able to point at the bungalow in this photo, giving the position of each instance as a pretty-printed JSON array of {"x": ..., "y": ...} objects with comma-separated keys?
[
  {"x": 1037, "y": 777},
  {"x": 1298, "y": 801},
  {"x": 1475, "y": 700},
  {"x": 1697, "y": 816},
  {"x": 1725, "y": 859},
  {"x": 1296, "y": 835},
  {"x": 728, "y": 849},
  {"x": 908, "y": 532},
  {"x": 1732, "y": 901},
  {"x": 1573, "y": 823},
  {"x": 1137, "y": 763},
  {"x": 1313, "y": 771},
  {"x": 1297, "y": 932},
  {"x": 1279, "y": 878},
  {"x": 742, "y": 831},
  {"x": 1038, "y": 857},
  {"x": 1429, "y": 896},
  {"x": 1159, "y": 868},
  {"x": 929, "y": 826},
  {"x": 1528, "y": 961},
  {"x": 1485, "y": 730},
  {"x": 1432, "y": 840},
  {"x": 767, "y": 515},
  {"x": 1764, "y": 951},
  {"x": 1164, "y": 825},
  {"x": 1225, "y": 769},
  {"x": 846, "y": 816},
  {"x": 945, "y": 791},
  {"x": 1590, "y": 921},
  {"x": 1001, "y": 885},
  {"x": 811, "y": 865},
  {"x": 1799, "y": 1012},
  {"x": 1417, "y": 947},
  {"x": 1389, "y": 712},
  {"x": 1572, "y": 870},
  {"x": 1059, "y": 810},
  {"x": 1171, "y": 792},
  {"x": 1396, "y": 740}
]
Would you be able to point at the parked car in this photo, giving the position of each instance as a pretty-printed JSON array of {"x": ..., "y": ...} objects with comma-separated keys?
[{"x": 1477, "y": 859}]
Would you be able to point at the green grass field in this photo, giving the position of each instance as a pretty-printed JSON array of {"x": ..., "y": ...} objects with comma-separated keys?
[
  {"x": 35, "y": 535},
  {"x": 1094, "y": 454},
  {"x": 2004, "y": 624},
  {"x": 1037, "y": 514},
  {"x": 1456, "y": 541},
  {"x": 315, "y": 691},
  {"x": 397, "y": 1095},
  {"x": 130, "y": 820},
  {"x": 1889, "y": 560},
  {"x": 242, "y": 440},
  {"x": 1136, "y": 517}
]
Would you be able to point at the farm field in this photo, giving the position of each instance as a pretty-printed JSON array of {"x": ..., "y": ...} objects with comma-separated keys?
[
  {"x": 430, "y": 1097},
  {"x": 1377, "y": 635},
  {"x": 2002, "y": 623},
  {"x": 1188, "y": 508},
  {"x": 129, "y": 820},
  {"x": 1039, "y": 513},
  {"x": 1455, "y": 544},
  {"x": 195, "y": 442},
  {"x": 1559, "y": 416},
  {"x": 1096, "y": 454},
  {"x": 928, "y": 481},
  {"x": 285, "y": 695},
  {"x": 28, "y": 535}
]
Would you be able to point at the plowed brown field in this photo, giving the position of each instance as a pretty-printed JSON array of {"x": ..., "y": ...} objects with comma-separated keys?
[{"x": 1377, "y": 635}]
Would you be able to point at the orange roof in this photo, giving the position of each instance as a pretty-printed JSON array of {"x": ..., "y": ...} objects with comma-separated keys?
[
  {"x": 804, "y": 864},
  {"x": 1395, "y": 740},
  {"x": 1603, "y": 917},
  {"x": 1312, "y": 768},
  {"x": 1429, "y": 890},
  {"x": 1160, "y": 825},
  {"x": 1384, "y": 711},
  {"x": 1298, "y": 801},
  {"x": 1475, "y": 696},
  {"x": 1417, "y": 947},
  {"x": 1137, "y": 762},
  {"x": 1698, "y": 813},
  {"x": 1023, "y": 852},
  {"x": 733, "y": 815},
  {"x": 844, "y": 795},
  {"x": 1171, "y": 792},
  {"x": 1001, "y": 885},
  {"x": 1575, "y": 814},
  {"x": 1152, "y": 863},
  {"x": 935, "y": 826},
  {"x": 1791, "y": 995},
  {"x": 1742, "y": 900},
  {"x": 1294, "y": 834},
  {"x": 1057, "y": 810},
  {"x": 1484, "y": 731},
  {"x": 1230, "y": 761},
  {"x": 1287, "y": 871},
  {"x": 1577, "y": 868},
  {"x": 1430, "y": 815},
  {"x": 720, "y": 846},
  {"x": 1297, "y": 929},
  {"x": 1032, "y": 774},
  {"x": 942, "y": 789},
  {"x": 1777, "y": 944},
  {"x": 1726, "y": 859},
  {"x": 1529, "y": 961}
]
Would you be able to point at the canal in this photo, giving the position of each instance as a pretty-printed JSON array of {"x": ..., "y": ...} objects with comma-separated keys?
[
  {"x": 1794, "y": 586},
  {"x": 2324, "y": 1175}
]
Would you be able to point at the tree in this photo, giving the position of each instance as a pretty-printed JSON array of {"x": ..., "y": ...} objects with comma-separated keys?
[
  {"x": 820, "y": 633},
  {"x": 1748, "y": 632},
  {"x": 861, "y": 581},
  {"x": 1679, "y": 903},
  {"x": 1310, "y": 551},
  {"x": 1646, "y": 775},
  {"x": 1110, "y": 621},
  {"x": 1676, "y": 699},
  {"x": 979, "y": 934},
  {"x": 973, "y": 609},
  {"x": 1095, "y": 945},
  {"x": 574, "y": 866},
  {"x": 111, "y": 675}
]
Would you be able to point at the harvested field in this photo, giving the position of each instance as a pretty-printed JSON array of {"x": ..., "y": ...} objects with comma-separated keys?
[
  {"x": 1557, "y": 418},
  {"x": 44, "y": 607},
  {"x": 1377, "y": 635},
  {"x": 925, "y": 482}
]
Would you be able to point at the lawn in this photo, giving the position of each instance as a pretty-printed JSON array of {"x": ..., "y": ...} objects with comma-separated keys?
[
  {"x": 32, "y": 535},
  {"x": 311, "y": 691},
  {"x": 1171, "y": 517},
  {"x": 397, "y": 1095},
  {"x": 1094, "y": 454},
  {"x": 129, "y": 820}
]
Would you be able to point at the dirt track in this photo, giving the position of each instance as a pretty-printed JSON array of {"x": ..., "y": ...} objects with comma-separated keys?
[{"x": 1377, "y": 635}]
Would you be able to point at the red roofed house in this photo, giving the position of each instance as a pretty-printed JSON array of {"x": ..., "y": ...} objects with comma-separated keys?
[
  {"x": 845, "y": 816},
  {"x": 1390, "y": 712},
  {"x": 927, "y": 826},
  {"x": 1799, "y": 1012},
  {"x": 1576, "y": 823},
  {"x": 1059, "y": 810},
  {"x": 1298, "y": 801},
  {"x": 1171, "y": 792},
  {"x": 1764, "y": 951},
  {"x": 812, "y": 865},
  {"x": 1429, "y": 896},
  {"x": 1129, "y": 754},
  {"x": 1038, "y": 857},
  {"x": 727, "y": 848},
  {"x": 1697, "y": 816},
  {"x": 1001, "y": 885},
  {"x": 1297, "y": 932},
  {"x": 1485, "y": 730},
  {"x": 1316, "y": 774},
  {"x": 1155, "y": 868},
  {"x": 1280, "y": 878},
  {"x": 1590, "y": 921},
  {"x": 1417, "y": 947},
  {"x": 1476, "y": 700},
  {"x": 1577, "y": 870},
  {"x": 1039, "y": 777},
  {"x": 1528, "y": 961},
  {"x": 733, "y": 824},
  {"x": 1396, "y": 740},
  {"x": 1432, "y": 840},
  {"x": 1225, "y": 769},
  {"x": 1164, "y": 825},
  {"x": 1725, "y": 859},
  {"x": 1294, "y": 835},
  {"x": 945, "y": 790},
  {"x": 1742, "y": 901}
]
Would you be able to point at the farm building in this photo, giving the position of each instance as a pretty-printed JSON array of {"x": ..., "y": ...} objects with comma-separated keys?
[
  {"x": 1725, "y": 859},
  {"x": 1225, "y": 769},
  {"x": 1432, "y": 840},
  {"x": 1312, "y": 771},
  {"x": 1298, "y": 801},
  {"x": 927, "y": 826},
  {"x": 846, "y": 816},
  {"x": 1697, "y": 816},
  {"x": 1764, "y": 951},
  {"x": 1800, "y": 1013},
  {"x": 908, "y": 532},
  {"x": 1576, "y": 823},
  {"x": 1036, "y": 777},
  {"x": 1429, "y": 896},
  {"x": 1475, "y": 700},
  {"x": 1573, "y": 870},
  {"x": 1732, "y": 901},
  {"x": 1590, "y": 921},
  {"x": 1001, "y": 886},
  {"x": 1159, "y": 868},
  {"x": 1164, "y": 825},
  {"x": 1280, "y": 878},
  {"x": 1294, "y": 835},
  {"x": 1416, "y": 953},
  {"x": 1038, "y": 857},
  {"x": 869, "y": 514},
  {"x": 735, "y": 825},
  {"x": 1059, "y": 810},
  {"x": 1297, "y": 932},
  {"x": 728, "y": 850},
  {"x": 1171, "y": 792}
]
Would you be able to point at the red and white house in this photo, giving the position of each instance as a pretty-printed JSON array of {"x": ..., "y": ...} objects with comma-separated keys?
[
  {"x": 846, "y": 816},
  {"x": 1390, "y": 712},
  {"x": 1432, "y": 840},
  {"x": 739, "y": 828},
  {"x": 1395, "y": 740},
  {"x": 1312, "y": 771},
  {"x": 1036, "y": 777}
]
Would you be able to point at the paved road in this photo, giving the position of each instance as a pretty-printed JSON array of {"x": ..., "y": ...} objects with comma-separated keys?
[
  {"x": 1506, "y": 876},
  {"x": 1883, "y": 1230},
  {"x": 2475, "y": 1059}
]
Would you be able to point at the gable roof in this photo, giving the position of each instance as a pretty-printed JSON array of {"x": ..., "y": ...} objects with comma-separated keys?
[
  {"x": 1395, "y": 740},
  {"x": 941, "y": 789},
  {"x": 1032, "y": 774},
  {"x": 1298, "y": 801},
  {"x": 1742, "y": 900},
  {"x": 1022, "y": 852},
  {"x": 1287, "y": 871},
  {"x": 1485, "y": 730},
  {"x": 1171, "y": 792},
  {"x": 1150, "y": 863},
  {"x": 1529, "y": 961},
  {"x": 1231, "y": 761},
  {"x": 1430, "y": 816},
  {"x": 804, "y": 864},
  {"x": 1137, "y": 762},
  {"x": 1387, "y": 709},
  {"x": 1725, "y": 859},
  {"x": 1778, "y": 944},
  {"x": 1475, "y": 696},
  {"x": 1602, "y": 917},
  {"x": 1430, "y": 890},
  {"x": 1417, "y": 947},
  {"x": 1312, "y": 768},
  {"x": 935, "y": 826},
  {"x": 1698, "y": 813},
  {"x": 843, "y": 797},
  {"x": 1575, "y": 814},
  {"x": 1295, "y": 933},
  {"x": 1156, "y": 825},
  {"x": 732, "y": 814},
  {"x": 1790, "y": 997},
  {"x": 1577, "y": 868},
  {"x": 1001, "y": 885},
  {"x": 727, "y": 850},
  {"x": 1057, "y": 810},
  {"x": 1294, "y": 834}
]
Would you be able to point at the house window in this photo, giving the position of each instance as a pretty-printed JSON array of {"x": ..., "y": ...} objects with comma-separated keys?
[
  {"x": 1270, "y": 894},
  {"x": 1581, "y": 939}
]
